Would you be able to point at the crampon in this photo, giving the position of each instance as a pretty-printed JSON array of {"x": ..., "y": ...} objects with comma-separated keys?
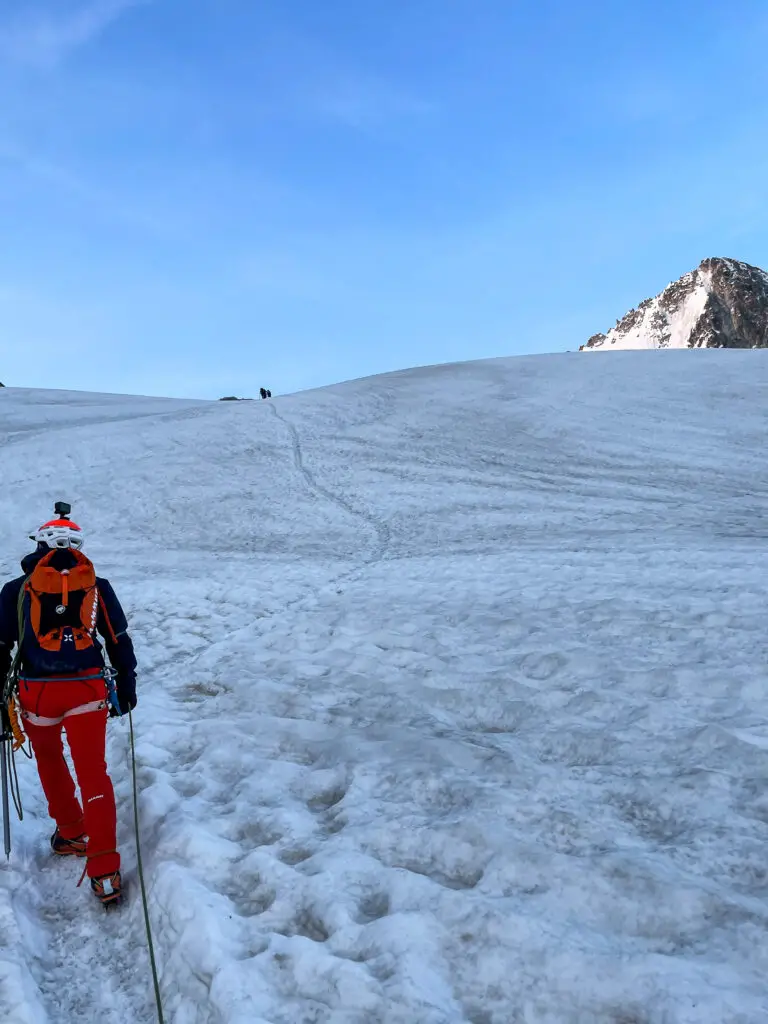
[
  {"x": 68, "y": 847},
  {"x": 108, "y": 890}
]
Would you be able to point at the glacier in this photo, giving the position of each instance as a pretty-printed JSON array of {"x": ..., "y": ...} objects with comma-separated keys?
[{"x": 452, "y": 698}]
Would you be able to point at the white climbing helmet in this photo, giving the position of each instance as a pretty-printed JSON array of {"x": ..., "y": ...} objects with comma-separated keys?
[{"x": 59, "y": 533}]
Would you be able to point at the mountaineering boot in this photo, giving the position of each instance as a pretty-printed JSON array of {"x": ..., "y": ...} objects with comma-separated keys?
[
  {"x": 68, "y": 847},
  {"x": 108, "y": 889}
]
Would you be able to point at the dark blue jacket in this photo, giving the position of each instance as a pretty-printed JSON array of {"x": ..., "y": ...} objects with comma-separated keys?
[{"x": 110, "y": 623}]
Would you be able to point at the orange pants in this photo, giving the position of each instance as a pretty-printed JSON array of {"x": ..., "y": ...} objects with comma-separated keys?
[{"x": 77, "y": 705}]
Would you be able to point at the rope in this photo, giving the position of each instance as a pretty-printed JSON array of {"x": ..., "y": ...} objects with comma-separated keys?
[
  {"x": 10, "y": 777},
  {"x": 150, "y": 944},
  {"x": 14, "y": 782},
  {"x": 8, "y": 729}
]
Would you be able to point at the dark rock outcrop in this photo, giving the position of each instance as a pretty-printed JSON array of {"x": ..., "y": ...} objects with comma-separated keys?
[{"x": 721, "y": 304}]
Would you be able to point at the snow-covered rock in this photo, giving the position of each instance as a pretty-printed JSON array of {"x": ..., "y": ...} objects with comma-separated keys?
[{"x": 721, "y": 304}]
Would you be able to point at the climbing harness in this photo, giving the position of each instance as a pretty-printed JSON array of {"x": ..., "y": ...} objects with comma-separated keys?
[{"x": 81, "y": 709}]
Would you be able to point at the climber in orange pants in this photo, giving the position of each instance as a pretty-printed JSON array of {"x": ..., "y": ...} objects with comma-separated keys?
[{"x": 80, "y": 709}]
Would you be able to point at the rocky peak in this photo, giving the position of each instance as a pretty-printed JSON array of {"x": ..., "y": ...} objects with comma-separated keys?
[{"x": 721, "y": 304}]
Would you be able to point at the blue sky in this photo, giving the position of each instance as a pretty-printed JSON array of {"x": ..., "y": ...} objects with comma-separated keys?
[{"x": 198, "y": 197}]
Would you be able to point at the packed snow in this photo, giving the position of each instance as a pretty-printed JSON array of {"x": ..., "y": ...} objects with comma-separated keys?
[{"x": 452, "y": 698}]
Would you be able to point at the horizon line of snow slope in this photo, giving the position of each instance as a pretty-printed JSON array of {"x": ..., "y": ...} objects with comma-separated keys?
[{"x": 452, "y": 699}]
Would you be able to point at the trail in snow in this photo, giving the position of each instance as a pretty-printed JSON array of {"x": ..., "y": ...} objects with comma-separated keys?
[
  {"x": 67, "y": 919},
  {"x": 379, "y": 526},
  {"x": 109, "y": 983},
  {"x": 511, "y": 769}
]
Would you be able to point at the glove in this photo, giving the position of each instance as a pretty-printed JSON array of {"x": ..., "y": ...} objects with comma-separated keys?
[{"x": 126, "y": 695}]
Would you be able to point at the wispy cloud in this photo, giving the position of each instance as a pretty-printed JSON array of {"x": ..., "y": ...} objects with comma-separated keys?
[
  {"x": 51, "y": 173},
  {"x": 43, "y": 37},
  {"x": 57, "y": 178},
  {"x": 365, "y": 102},
  {"x": 321, "y": 81}
]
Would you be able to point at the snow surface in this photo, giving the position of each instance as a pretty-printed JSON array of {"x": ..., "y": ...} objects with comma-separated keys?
[{"x": 453, "y": 698}]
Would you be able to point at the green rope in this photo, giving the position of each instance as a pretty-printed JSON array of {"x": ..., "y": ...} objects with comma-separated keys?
[{"x": 150, "y": 944}]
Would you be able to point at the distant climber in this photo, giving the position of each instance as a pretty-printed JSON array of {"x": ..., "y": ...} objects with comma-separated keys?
[
  {"x": 51, "y": 615},
  {"x": 269, "y": 394},
  {"x": 263, "y": 392}
]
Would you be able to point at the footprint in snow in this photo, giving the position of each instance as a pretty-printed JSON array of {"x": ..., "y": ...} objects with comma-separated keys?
[
  {"x": 542, "y": 667},
  {"x": 308, "y": 924},
  {"x": 373, "y": 907},
  {"x": 293, "y": 855}
]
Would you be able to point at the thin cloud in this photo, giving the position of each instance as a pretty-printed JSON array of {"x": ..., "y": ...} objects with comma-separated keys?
[
  {"x": 43, "y": 38},
  {"x": 58, "y": 178},
  {"x": 364, "y": 102},
  {"x": 44, "y": 170},
  {"x": 318, "y": 81}
]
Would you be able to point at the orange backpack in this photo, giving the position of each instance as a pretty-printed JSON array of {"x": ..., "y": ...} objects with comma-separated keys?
[{"x": 61, "y": 606}]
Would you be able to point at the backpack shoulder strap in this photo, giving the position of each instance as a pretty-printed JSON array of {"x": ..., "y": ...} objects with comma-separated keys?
[{"x": 20, "y": 608}]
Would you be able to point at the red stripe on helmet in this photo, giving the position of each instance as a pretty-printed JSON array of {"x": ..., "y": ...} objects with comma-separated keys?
[{"x": 61, "y": 522}]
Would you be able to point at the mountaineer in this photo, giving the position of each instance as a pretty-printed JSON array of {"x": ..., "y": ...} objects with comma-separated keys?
[{"x": 52, "y": 615}]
